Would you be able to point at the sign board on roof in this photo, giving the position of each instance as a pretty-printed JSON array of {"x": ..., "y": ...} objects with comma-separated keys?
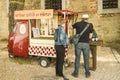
[{"x": 33, "y": 14}]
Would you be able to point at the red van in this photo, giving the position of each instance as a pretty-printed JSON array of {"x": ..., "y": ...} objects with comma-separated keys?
[{"x": 34, "y": 30}]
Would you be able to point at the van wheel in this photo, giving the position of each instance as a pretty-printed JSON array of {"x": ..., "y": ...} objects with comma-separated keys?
[
  {"x": 10, "y": 55},
  {"x": 66, "y": 63},
  {"x": 44, "y": 62}
]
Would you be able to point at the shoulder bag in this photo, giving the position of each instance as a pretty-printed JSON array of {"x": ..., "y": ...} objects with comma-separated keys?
[{"x": 76, "y": 37}]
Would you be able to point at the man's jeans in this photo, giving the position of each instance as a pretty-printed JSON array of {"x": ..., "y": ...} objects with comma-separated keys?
[{"x": 85, "y": 48}]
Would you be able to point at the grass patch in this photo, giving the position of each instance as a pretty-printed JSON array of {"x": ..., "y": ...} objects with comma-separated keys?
[
  {"x": 25, "y": 60},
  {"x": 3, "y": 44},
  {"x": 4, "y": 40},
  {"x": 4, "y": 49}
]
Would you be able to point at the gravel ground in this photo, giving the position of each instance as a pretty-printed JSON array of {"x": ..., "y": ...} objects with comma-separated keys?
[{"x": 108, "y": 68}]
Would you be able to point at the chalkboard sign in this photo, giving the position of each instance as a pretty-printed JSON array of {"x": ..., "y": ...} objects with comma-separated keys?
[{"x": 107, "y": 4}]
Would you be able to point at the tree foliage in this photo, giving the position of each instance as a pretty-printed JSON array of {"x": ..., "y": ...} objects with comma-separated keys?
[{"x": 14, "y": 5}]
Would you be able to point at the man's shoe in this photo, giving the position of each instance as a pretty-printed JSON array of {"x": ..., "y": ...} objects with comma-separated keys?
[
  {"x": 65, "y": 78},
  {"x": 87, "y": 75},
  {"x": 74, "y": 75}
]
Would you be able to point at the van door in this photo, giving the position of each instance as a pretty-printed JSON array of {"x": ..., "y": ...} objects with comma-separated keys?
[{"x": 21, "y": 38}]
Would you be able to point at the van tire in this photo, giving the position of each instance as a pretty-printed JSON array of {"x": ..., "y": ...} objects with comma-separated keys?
[
  {"x": 66, "y": 63},
  {"x": 10, "y": 55},
  {"x": 44, "y": 62}
]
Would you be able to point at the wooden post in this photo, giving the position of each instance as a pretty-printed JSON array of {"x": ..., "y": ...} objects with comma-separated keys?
[{"x": 93, "y": 48}]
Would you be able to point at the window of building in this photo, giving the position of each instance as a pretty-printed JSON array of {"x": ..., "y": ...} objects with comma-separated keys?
[
  {"x": 53, "y": 4},
  {"x": 107, "y": 4}
]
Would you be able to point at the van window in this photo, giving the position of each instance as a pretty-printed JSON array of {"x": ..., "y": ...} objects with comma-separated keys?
[
  {"x": 36, "y": 32},
  {"x": 14, "y": 29},
  {"x": 43, "y": 27},
  {"x": 22, "y": 29},
  {"x": 47, "y": 27}
]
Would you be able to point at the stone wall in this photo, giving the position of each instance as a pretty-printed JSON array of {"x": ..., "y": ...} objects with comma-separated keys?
[
  {"x": 3, "y": 19},
  {"x": 32, "y": 4},
  {"x": 82, "y": 5},
  {"x": 106, "y": 25}
]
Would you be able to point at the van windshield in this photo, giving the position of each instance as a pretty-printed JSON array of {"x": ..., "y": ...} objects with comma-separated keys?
[{"x": 14, "y": 29}]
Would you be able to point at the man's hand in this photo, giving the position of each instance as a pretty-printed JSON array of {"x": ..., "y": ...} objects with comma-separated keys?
[{"x": 90, "y": 35}]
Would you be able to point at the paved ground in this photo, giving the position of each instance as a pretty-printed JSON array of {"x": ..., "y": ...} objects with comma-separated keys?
[{"x": 108, "y": 68}]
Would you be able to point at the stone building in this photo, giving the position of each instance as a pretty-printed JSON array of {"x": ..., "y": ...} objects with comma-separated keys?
[
  {"x": 104, "y": 14},
  {"x": 3, "y": 18}
]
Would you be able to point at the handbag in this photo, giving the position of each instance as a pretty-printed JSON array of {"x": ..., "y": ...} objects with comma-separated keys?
[{"x": 76, "y": 37}]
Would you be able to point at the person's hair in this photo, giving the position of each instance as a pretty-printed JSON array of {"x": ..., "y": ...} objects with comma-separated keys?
[
  {"x": 83, "y": 19},
  {"x": 61, "y": 21}
]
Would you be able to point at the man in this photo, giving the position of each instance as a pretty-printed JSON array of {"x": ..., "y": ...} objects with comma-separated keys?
[
  {"x": 60, "y": 45},
  {"x": 83, "y": 45}
]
